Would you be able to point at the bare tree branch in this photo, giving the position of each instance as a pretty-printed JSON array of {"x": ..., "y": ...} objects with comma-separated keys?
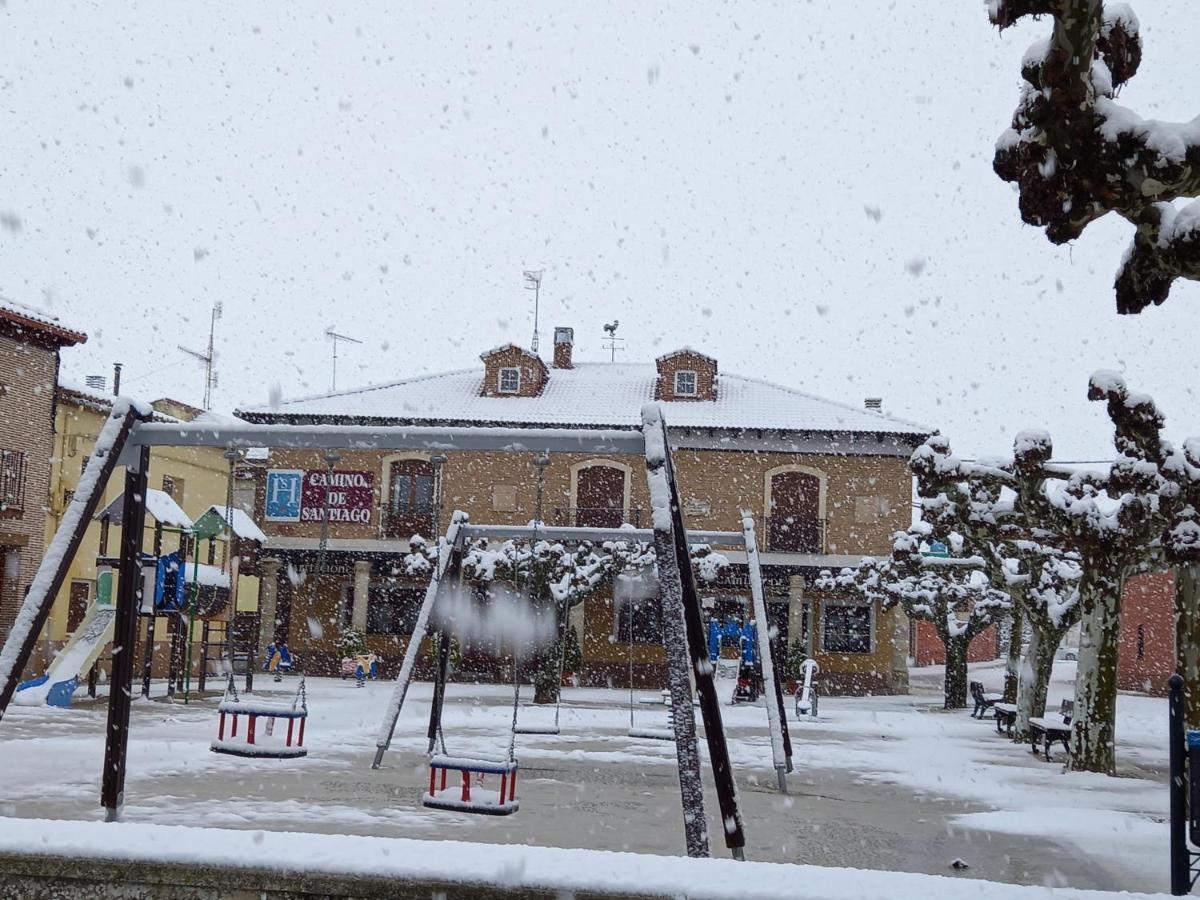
[{"x": 1077, "y": 155}]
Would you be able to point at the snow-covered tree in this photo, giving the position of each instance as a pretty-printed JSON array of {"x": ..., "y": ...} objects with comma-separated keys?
[
  {"x": 1076, "y": 154},
  {"x": 1129, "y": 518},
  {"x": 951, "y": 593},
  {"x": 556, "y": 576},
  {"x": 1040, "y": 578}
]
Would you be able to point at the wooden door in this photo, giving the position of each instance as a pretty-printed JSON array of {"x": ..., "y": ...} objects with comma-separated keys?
[
  {"x": 600, "y": 497},
  {"x": 77, "y": 604},
  {"x": 794, "y": 520}
]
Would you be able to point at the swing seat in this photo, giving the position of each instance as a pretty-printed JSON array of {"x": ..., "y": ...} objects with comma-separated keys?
[
  {"x": 264, "y": 744},
  {"x": 471, "y": 796},
  {"x": 537, "y": 729}
]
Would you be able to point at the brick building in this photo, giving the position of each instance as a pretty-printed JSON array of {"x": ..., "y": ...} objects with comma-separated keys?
[
  {"x": 30, "y": 342},
  {"x": 1147, "y": 643},
  {"x": 827, "y": 483},
  {"x": 926, "y": 648}
]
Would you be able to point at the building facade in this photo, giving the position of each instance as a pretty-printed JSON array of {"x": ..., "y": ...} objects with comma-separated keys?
[
  {"x": 826, "y": 484},
  {"x": 1146, "y": 655},
  {"x": 30, "y": 343},
  {"x": 195, "y": 478}
]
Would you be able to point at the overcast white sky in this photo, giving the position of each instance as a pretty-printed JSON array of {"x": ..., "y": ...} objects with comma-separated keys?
[{"x": 802, "y": 189}]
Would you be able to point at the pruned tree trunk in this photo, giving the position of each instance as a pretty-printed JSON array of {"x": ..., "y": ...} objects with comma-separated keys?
[
  {"x": 1012, "y": 666},
  {"x": 1036, "y": 669},
  {"x": 1093, "y": 737},
  {"x": 1187, "y": 640},
  {"x": 546, "y": 680},
  {"x": 956, "y": 672}
]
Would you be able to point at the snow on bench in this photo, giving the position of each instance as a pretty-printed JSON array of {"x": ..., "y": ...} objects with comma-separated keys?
[{"x": 1049, "y": 729}]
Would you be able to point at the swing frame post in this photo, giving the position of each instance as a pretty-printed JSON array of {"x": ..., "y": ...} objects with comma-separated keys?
[
  {"x": 129, "y": 599},
  {"x": 447, "y": 570},
  {"x": 682, "y": 613},
  {"x": 781, "y": 745}
]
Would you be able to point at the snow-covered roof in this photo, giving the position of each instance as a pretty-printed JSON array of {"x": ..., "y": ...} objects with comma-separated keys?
[
  {"x": 200, "y": 573},
  {"x": 90, "y": 398},
  {"x": 39, "y": 320},
  {"x": 241, "y": 524},
  {"x": 593, "y": 395},
  {"x": 159, "y": 505}
]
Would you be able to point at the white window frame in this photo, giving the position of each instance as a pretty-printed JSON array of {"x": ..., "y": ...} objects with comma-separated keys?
[
  {"x": 500, "y": 380},
  {"x": 695, "y": 391}
]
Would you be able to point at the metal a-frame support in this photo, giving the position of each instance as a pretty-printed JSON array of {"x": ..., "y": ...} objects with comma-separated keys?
[
  {"x": 683, "y": 636},
  {"x": 445, "y": 577},
  {"x": 781, "y": 741}
]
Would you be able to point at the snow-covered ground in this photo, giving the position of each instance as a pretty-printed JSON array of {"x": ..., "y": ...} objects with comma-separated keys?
[{"x": 884, "y": 783}]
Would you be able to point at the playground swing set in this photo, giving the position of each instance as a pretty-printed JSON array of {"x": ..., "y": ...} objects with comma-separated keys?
[{"x": 127, "y": 439}]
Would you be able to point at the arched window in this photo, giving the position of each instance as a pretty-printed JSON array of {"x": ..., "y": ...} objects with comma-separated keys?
[
  {"x": 795, "y": 511},
  {"x": 601, "y": 495},
  {"x": 410, "y": 499}
]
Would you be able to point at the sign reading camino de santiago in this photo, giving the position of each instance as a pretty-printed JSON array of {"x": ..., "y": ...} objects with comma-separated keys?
[{"x": 296, "y": 495}]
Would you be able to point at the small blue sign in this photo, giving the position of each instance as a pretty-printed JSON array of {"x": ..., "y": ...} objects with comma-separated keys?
[{"x": 284, "y": 490}]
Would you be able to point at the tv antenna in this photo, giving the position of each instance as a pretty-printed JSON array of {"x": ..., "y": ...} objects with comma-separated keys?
[
  {"x": 335, "y": 337},
  {"x": 614, "y": 342},
  {"x": 533, "y": 282},
  {"x": 208, "y": 357}
]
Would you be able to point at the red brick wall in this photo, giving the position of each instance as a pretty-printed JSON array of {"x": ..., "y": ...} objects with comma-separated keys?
[
  {"x": 928, "y": 649},
  {"x": 1147, "y": 648},
  {"x": 28, "y": 372}
]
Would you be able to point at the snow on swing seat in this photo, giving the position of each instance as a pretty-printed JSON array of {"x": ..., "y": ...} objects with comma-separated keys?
[
  {"x": 471, "y": 796},
  {"x": 265, "y": 742}
]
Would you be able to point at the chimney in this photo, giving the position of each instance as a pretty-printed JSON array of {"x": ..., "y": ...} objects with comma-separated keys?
[
  {"x": 117, "y": 379},
  {"x": 874, "y": 404},
  {"x": 94, "y": 382},
  {"x": 564, "y": 343}
]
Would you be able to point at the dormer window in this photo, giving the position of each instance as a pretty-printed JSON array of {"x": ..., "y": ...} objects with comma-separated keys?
[
  {"x": 685, "y": 383},
  {"x": 509, "y": 381}
]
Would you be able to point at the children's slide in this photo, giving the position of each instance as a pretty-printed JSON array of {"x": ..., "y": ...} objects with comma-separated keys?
[{"x": 56, "y": 687}]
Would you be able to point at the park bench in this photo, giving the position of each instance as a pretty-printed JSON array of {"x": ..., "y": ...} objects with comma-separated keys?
[
  {"x": 983, "y": 700},
  {"x": 1049, "y": 729},
  {"x": 1006, "y": 717}
]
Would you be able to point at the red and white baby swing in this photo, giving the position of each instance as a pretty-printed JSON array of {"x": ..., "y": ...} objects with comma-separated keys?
[
  {"x": 266, "y": 742},
  {"x": 474, "y": 792}
]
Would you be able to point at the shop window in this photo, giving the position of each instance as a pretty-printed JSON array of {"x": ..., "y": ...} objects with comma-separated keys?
[
  {"x": 393, "y": 609},
  {"x": 846, "y": 628},
  {"x": 639, "y": 620}
]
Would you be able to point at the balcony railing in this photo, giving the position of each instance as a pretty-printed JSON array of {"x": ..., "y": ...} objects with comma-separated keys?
[
  {"x": 795, "y": 534},
  {"x": 405, "y": 523},
  {"x": 12, "y": 479},
  {"x": 596, "y": 517}
]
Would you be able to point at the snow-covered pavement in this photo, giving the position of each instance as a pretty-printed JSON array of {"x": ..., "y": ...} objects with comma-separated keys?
[{"x": 883, "y": 783}]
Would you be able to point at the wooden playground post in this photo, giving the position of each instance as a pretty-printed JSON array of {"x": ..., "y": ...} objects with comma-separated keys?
[{"x": 129, "y": 596}]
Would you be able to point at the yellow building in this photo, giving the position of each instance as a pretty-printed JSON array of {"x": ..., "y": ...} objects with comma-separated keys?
[{"x": 194, "y": 478}]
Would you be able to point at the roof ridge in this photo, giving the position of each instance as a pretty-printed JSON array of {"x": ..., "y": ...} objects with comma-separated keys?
[{"x": 359, "y": 390}]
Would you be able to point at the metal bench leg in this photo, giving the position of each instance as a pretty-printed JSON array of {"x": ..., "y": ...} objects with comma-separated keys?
[{"x": 1049, "y": 740}]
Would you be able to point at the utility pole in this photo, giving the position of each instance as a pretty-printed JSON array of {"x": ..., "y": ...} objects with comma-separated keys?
[
  {"x": 533, "y": 282},
  {"x": 208, "y": 357},
  {"x": 335, "y": 337}
]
